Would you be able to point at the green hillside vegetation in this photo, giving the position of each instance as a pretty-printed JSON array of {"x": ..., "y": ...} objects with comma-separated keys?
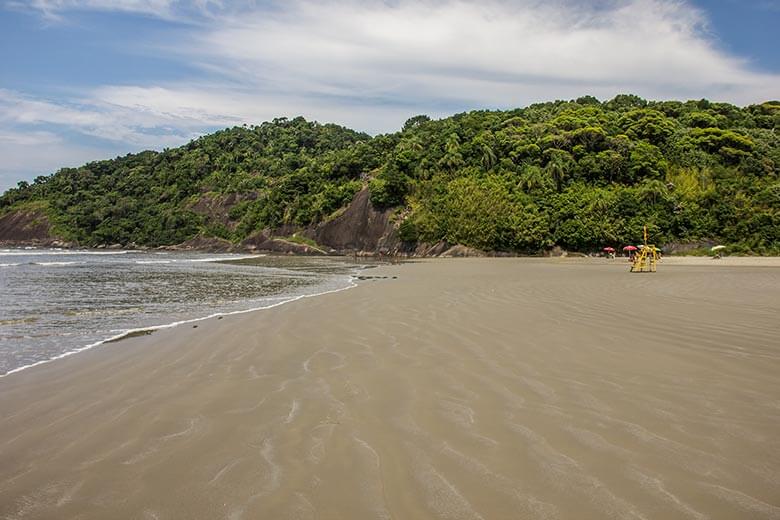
[{"x": 577, "y": 174}]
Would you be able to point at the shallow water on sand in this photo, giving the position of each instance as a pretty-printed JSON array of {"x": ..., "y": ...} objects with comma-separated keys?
[{"x": 54, "y": 302}]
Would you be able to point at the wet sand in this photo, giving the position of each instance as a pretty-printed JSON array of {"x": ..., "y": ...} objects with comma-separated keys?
[{"x": 463, "y": 389}]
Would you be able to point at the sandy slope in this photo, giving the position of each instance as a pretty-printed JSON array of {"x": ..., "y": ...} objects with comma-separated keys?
[{"x": 485, "y": 388}]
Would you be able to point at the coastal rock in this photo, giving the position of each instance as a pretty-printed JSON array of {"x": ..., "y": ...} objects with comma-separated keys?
[
  {"x": 462, "y": 251},
  {"x": 435, "y": 250},
  {"x": 216, "y": 208},
  {"x": 62, "y": 244},
  {"x": 361, "y": 227},
  {"x": 209, "y": 244},
  {"x": 262, "y": 241},
  {"x": 28, "y": 226}
]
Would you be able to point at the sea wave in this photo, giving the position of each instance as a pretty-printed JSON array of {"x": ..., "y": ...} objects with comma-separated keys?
[
  {"x": 223, "y": 258},
  {"x": 102, "y": 312},
  {"x": 9, "y": 265},
  {"x": 56, "y": 263},
  {"x": 199, "y": 260},
  {"x": 16, "y": 321},
  {"x": 50, "y": 252}
]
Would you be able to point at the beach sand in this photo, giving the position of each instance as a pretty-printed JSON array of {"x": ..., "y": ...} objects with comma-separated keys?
[{"x": 463, "y": 389}]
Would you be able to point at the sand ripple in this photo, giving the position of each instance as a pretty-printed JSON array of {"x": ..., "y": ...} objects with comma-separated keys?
[{"x": 463, "y": 389}]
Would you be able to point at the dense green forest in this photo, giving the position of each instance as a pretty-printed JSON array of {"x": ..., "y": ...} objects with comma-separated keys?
[{"x": 577, "y": 174}]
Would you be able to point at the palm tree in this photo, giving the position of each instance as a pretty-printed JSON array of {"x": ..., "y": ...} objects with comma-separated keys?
[
  {"x": 557, "y": 168},
  {"x": 488, "y": 156},
  {"x": 534, "y": 178},
  {"x": 412, "y": 144},
  {"x": 452, "y": 157},
  {"x": 651, "y": 191}
]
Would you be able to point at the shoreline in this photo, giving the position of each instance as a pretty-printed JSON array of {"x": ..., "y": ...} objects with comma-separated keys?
[
  {"x": 167, "y": 320},
  {"x": 463, "y": 388},
  {"x": 458, "y": 251},
  {"x": 694, "y": 261},
  {"x": 148, "y": 330}
]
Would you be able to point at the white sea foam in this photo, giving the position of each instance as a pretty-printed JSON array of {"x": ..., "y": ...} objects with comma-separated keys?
[
  {"x": 52, "y": 252},
  {"x": 127, "y": 332},
  {"x": 9, "y": 265},
  {"x": 214, "y": 259},
  {"x": 222, "y": 258},
  {"x": 56, "y": 263}
]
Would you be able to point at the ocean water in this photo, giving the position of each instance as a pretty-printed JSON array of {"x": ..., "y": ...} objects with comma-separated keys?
[{"x": 54, "y": 303}]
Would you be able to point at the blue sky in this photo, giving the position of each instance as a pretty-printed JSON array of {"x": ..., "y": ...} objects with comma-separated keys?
[
  {"x": 747, "y": 28},
  {"x": 91, "y": 79}
]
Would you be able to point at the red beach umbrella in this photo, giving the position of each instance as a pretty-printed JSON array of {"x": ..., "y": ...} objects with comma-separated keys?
[
  {"x": 609, "y": 249},
  {"x": 630, "y": 248}
]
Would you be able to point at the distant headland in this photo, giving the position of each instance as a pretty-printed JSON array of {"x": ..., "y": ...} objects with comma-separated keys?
[{"x": 565, "y": 175}]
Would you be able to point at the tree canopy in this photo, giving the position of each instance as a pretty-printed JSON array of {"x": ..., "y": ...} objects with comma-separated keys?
[{"x": 579, "y": 174}]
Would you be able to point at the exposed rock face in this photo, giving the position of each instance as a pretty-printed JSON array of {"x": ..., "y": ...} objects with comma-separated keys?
[
  {"x": 461, "y": 251},
  {"x": 361, "y": 228},
  {"x": 425, "y": 249},
  {"x": 263, "y": 242},
  {"x": 216, "y": 208},
  {"x": 211, "y": 244},
  {"x": 25, "y": 226}
]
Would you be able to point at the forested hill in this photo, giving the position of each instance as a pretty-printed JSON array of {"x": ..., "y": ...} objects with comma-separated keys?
[{"x": 579, "y": 174}]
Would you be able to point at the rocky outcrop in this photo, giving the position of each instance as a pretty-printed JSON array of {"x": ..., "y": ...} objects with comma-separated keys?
[
  {"x": 201, "y": 243},
  {"x": 216, "y": 208},
  {"x": 425, "y": 249},
  {"x": 461, "y": 251},
  {"x": 264, "y": 242},
  {"x": 26, "y": 226},
  {"x": 360, "y": 228}
]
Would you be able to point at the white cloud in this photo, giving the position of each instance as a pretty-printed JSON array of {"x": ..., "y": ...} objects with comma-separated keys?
[
  {"x": 372, "y": 64},
  {"x": 57, "y": 11},
  {"x": 53, "y": 10},
  {"x": 34, "y": 138},
  {"x": 435, "y": 53},
  {"x": 489, "y": 53},
  {"x": 133, "y": 124},
  {"x": 218, "y": 106}
]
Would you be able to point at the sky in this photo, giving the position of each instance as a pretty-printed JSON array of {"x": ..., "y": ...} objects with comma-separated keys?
[{"x": 82, "y": 80}]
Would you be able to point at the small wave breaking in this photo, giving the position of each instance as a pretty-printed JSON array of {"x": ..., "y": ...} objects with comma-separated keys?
[
  {"x": 55, "y": 264},
  {"x": 51, "y": 252}
]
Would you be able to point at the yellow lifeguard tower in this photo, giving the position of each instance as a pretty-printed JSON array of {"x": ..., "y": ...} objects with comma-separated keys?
[{"x": 646, "y": 259}]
